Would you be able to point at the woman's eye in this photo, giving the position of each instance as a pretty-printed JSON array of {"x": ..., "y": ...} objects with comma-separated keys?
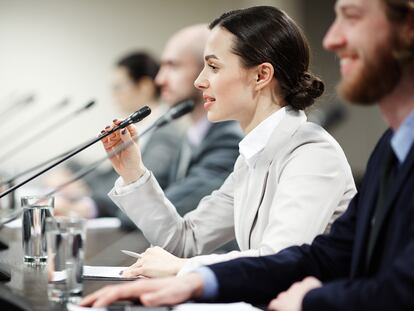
[{"x": 214, "y": 68}]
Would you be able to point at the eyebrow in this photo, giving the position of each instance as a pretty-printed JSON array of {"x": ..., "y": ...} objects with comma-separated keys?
[
  {"x": 207, "y": 57},
  {"x": 347, "y": 7}
]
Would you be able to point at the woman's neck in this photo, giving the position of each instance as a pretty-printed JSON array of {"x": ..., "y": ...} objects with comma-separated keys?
[{"x": 264, "y": 107}]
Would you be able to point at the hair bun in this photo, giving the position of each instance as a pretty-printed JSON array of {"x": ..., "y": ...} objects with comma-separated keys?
[{"x": 309, "y": 87}]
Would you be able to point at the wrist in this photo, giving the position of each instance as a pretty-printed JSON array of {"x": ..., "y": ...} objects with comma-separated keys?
[
  {"x": 179, "y": 264},
  {"x": 134, "y": 176},
  {"x": 198, "y": 284}
]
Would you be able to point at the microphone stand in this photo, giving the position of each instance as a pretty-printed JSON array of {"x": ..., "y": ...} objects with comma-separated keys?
[
  {"x": 61, "y": 104},
  {"x": 22, "y": 102},
  {"x": 135, "y": 117},
  {"x": 32, "y": 139}
]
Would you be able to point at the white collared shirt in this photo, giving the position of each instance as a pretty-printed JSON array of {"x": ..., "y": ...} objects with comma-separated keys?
[
  {"x": 198, "y": 131},
  {"x": 253, "y": 144}
]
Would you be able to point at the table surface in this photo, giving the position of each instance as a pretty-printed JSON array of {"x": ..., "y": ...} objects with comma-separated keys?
[{"x": 102, "y": 249}]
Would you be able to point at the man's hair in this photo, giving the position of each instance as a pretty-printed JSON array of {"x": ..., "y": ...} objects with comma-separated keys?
[{"x": 398, "y": 12}]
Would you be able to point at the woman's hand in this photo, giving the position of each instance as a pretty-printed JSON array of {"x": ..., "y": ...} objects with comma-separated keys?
[
  {"x": 166, "y": 291},
  {"x": 127, "y": 163},
  {"x": 155, "y": 262}
]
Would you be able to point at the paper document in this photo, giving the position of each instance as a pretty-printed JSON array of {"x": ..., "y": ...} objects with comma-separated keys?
[
  {"x": 104, "y": 272},
  {"x": 238, "y": 306}
]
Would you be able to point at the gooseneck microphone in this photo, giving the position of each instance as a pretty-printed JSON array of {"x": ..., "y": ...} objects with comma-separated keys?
[
  {"x": 133, "y": 118},
  {"x": 30, "y": 140},
  {"x": 29, "y": 99},
  {"x": 47, "y": 112}
]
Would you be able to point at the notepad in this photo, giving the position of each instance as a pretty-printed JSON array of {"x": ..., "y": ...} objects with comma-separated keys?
[{"x": 104, "y": 272}]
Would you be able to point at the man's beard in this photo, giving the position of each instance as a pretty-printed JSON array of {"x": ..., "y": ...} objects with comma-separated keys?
[{"x": 377, "y": 78}]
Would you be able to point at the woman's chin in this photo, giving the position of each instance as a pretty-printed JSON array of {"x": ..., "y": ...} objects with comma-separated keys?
[{"x": 212, "y": 117}]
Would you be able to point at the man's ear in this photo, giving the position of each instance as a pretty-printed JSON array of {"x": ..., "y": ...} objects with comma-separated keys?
[{"x": 264, "y": 75}]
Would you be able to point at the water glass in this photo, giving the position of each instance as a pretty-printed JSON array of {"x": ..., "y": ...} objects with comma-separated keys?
[
  {"x": 36, "y": 210},
  {"x": 65, "y": 240}
]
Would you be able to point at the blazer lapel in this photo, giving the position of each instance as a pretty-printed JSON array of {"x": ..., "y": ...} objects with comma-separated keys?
[
  {"x": 251, "y": 201},
  {"x": 406, "y": 170}
]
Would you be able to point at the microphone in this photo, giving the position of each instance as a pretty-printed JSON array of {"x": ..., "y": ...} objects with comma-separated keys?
[
  {"x": 133, "y": 118},
  {"x": 175, "y": 112},
  {"x": 29, "y": 99},
  {"x": 44, "y": 132},
  {"x": 61, "y": 104}
]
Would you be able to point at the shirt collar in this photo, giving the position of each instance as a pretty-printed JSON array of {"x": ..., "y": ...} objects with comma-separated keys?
[
  {"x": 198, "y": 131},
  {"x": 254, "y": 142},
  {"x": 403, "y": 138}
]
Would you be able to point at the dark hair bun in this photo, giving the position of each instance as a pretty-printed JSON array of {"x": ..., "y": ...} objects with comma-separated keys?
[{"x": 303, "y": 95}]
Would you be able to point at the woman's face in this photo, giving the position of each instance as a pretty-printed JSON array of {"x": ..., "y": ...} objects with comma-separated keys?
[
  {"x": 127, "y": 94},
  {"x": 228, "y": 88}
]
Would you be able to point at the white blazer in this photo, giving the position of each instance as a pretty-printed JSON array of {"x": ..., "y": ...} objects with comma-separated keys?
[{"x": 302, "y": 183}]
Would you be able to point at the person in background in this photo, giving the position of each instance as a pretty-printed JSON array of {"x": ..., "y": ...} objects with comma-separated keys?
[
  {"x": 291, "y": 178},
  {"x": 366, "y": 262}
]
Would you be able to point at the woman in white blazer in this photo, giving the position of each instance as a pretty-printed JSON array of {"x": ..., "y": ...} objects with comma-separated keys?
[{"x": 291, "y": 179}]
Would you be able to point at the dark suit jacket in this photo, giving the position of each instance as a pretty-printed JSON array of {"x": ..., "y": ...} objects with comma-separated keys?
[
  {"x": 339, "y": 259},
  {"x": 209, "y": 165}
]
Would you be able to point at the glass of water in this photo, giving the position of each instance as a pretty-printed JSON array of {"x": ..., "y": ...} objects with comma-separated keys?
[
  {"x": 36, "y": 210},
  {"x": 65, "y": 240}
]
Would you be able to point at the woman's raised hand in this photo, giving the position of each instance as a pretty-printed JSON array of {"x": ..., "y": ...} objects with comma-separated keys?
[{"x": 128, "y": 162}]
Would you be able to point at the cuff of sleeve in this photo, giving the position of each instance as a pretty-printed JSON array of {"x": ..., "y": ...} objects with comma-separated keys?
[
  {"x": 121, "y": 188},
  {"x": 210, "y": 290},
  {"x": 310, "y": 299}
]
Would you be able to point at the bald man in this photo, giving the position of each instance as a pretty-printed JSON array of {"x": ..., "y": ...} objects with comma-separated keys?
[{"x": 209, "y": 151}]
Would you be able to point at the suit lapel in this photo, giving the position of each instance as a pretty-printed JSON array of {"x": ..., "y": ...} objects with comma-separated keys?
[
  {"x": 367, "y": 204},
  {"x": 252, "y": 200},
  {"x": 406, "y": 171}
]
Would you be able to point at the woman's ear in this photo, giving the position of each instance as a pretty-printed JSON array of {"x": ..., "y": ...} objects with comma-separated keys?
[{"x": 264, "y": 75}]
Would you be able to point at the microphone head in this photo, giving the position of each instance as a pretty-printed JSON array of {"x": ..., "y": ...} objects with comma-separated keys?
[
  {"x": 138, "y": 115},
  {"x": 181, "y": 109},
  {"x": 28, "y": 99},
  {"x": 89, "y": 104},
  {"x": 175, "y": 112},
  {"x": 64, "y": 102}
]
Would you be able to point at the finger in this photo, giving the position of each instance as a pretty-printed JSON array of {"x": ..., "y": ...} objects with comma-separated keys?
[
  {"x": 116, "y": 121},
  {"x": 91, "y": 298},
  {"x": 275, "y": 305},
  {"x": 132, "y": 130},
  {"x": 133, "y": 272},
  {"x": 165, "y": 296},
  {"x": 126, "y": 291},
  {"x": 117, "y": 293}
]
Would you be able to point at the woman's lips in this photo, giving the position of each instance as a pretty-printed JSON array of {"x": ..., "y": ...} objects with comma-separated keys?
[{"x": 208, "y": 101}]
